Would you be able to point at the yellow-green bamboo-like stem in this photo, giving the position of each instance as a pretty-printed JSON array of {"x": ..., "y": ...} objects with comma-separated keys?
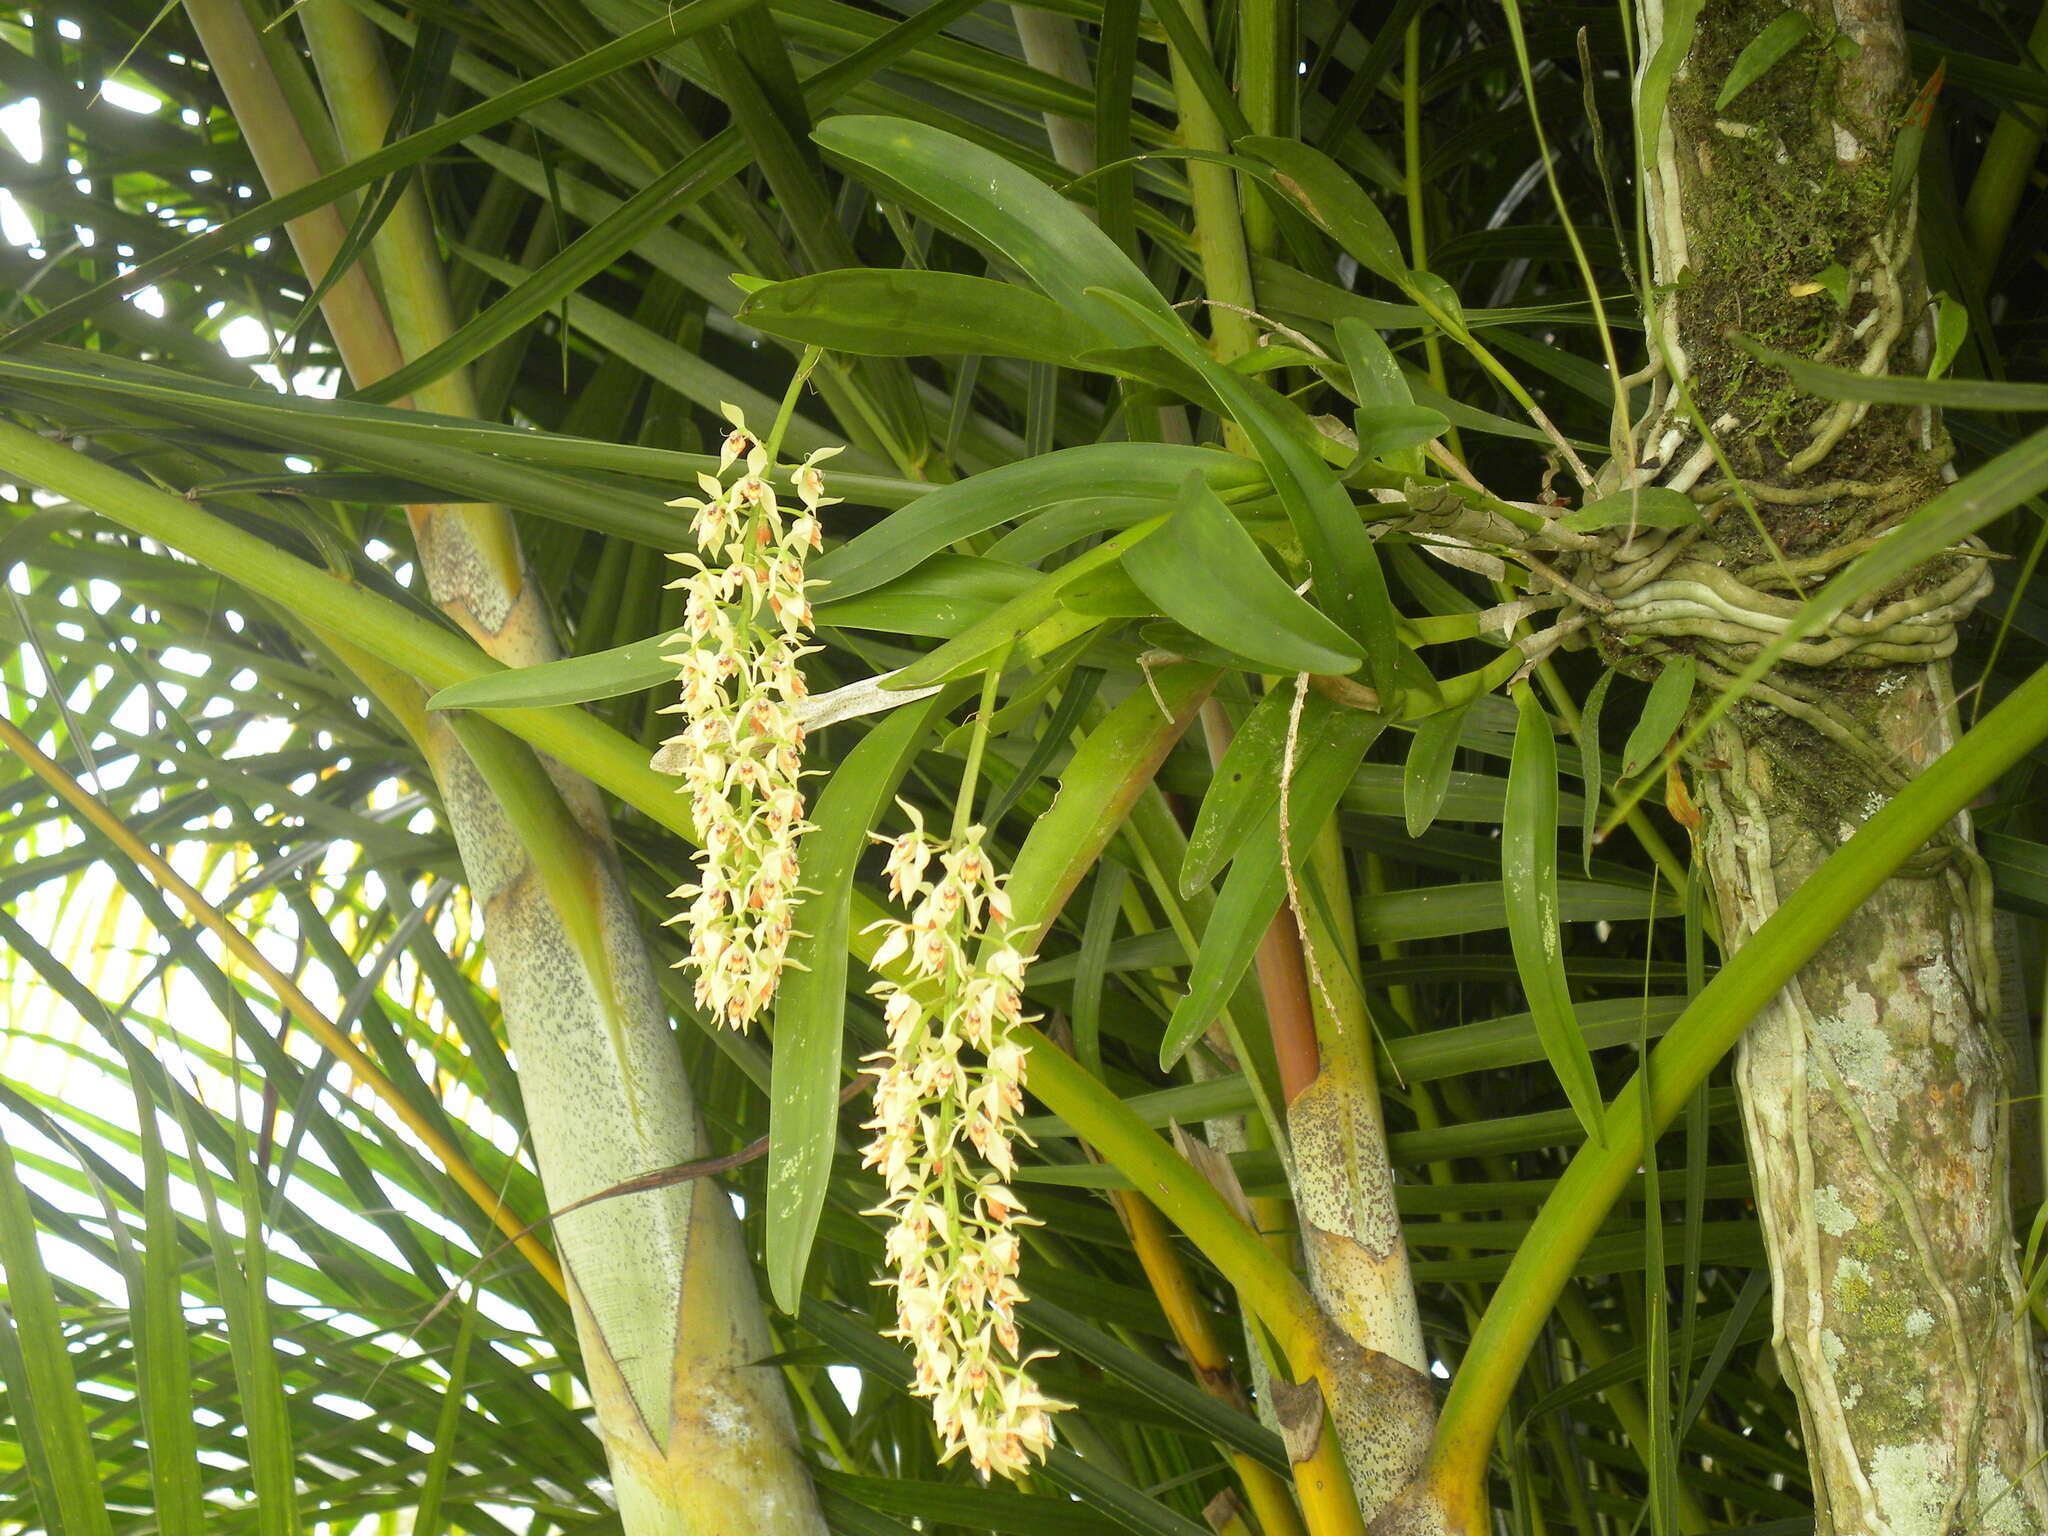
[
  {"x": 700, "y": 1440},
  {"x": 1189, "y": 1318},
  {"x": 1418, "y": 213},
  {"x": 469, "y": 552},
  {"x": 1265, "y": 28},
  {"x": 1358, "y": 1259},
  {"x": 1283, "y": 994},
  {"x": 1219, "y": 226},
  {"x": 1381, "y": 1402},
  {"x": 1344, "y": 1192},
  {"x": 1323, "y": 1481},
  {"x": 276, "y": 140}
]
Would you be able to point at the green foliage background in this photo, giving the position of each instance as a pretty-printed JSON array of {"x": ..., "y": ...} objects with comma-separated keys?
[{"x": 200, "y": 1336}]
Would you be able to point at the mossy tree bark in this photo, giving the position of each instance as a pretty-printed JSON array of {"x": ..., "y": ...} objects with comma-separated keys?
[{"x": 1874, "y": 1086}]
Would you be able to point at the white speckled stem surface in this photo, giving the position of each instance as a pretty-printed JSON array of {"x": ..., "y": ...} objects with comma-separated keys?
[{"x": 700, "y": 1441}]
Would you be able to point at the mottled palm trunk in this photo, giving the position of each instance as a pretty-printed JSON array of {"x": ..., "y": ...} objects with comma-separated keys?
[
  {"x": 1873, "y": 1087},
  {"x": 1384, "y": 1406},
  {"x": 699, "y": 1438}
]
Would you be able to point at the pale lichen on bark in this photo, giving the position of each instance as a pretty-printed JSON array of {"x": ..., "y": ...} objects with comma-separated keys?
[
  {"x": 1873, "y": 1097},
  {"x": 1874, "y": 1085}
]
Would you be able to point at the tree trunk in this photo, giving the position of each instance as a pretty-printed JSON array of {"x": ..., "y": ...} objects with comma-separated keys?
[
  {"x": 699, "y": 1438},
  {"x": 1873, "y": 1088}
]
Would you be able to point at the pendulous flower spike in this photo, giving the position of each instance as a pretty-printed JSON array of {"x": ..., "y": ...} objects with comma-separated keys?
[
  {"x": 745, "y": 620},
  {"x": 953, "y": 1244}
]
